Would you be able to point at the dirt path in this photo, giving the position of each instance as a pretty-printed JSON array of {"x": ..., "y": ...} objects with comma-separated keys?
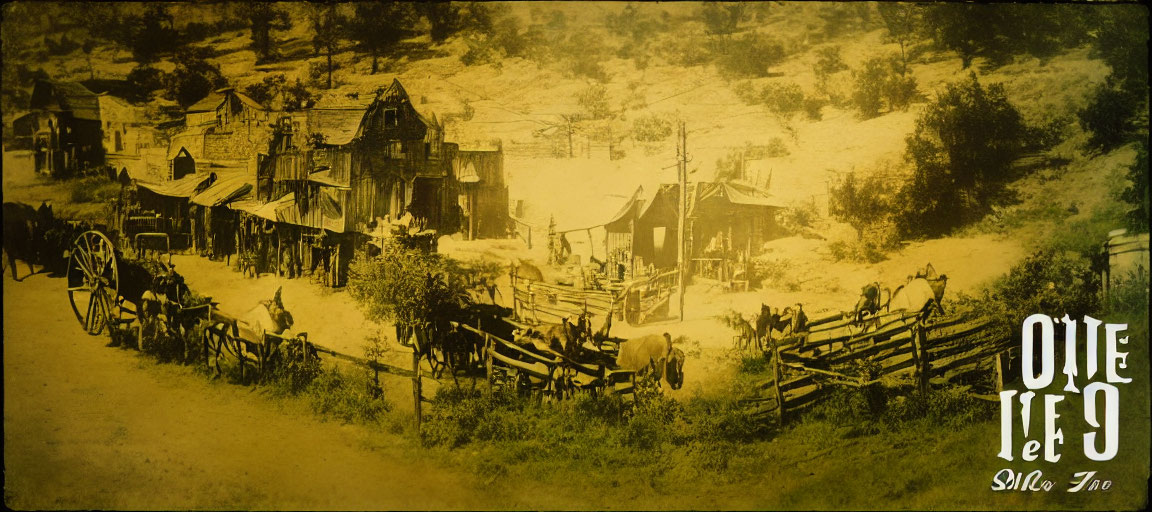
[{"x": 86, "y": 426}]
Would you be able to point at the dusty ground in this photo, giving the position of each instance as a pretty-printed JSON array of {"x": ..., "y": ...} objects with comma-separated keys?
[{"x": 86, "y": 426}]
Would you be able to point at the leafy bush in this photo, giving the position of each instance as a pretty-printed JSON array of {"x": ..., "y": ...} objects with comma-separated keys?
[
  {"x": 1055, "y": 283},
  {"x": 1136, "y": 194},
  {"x": 828, "y": 62},
  {"x": 783, "y": 99},
  {"x": 798, "y": 219},
  {"x": 651, "y": 128},
  {"x": 750, "y": 55},
  {"x": 871, "y": 246},
  {"x": 593, "y": 100},
  {"x": 333, "y": 394},
  {"x": 268, "y": 89}
]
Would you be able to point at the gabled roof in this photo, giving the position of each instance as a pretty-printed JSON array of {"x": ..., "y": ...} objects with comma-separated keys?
[
  {"x": 394, "y": 92},
  {"x": 248, "y": 101},
  {"x": 208, "y": 104},
  {"x": 71, "y": 96},
  {"x": 337, "y": 125}
]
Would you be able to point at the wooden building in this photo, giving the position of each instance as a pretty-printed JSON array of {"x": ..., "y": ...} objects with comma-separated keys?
[
  {"x": 351, "y": 172},
  {"x": 63, "y": 127},
  {"x": 727, "y": 222}
]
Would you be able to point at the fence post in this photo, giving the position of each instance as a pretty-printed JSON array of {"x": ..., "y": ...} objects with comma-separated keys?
[
  {"x": 920, "y": 356},
  {"x": 777, "y": 375},
  {"x": 531, "y": 299},
  {"x": 416, "y": 386},
  {"x": 999, "y": 361},
  {"x": 488, "y": 359}
]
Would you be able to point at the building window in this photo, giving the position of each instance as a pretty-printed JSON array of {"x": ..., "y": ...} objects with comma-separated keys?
[{"x": 390, "y": 118}]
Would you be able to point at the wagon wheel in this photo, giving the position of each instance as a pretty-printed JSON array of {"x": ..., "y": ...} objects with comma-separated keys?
[{"x": 93, "y": 281}]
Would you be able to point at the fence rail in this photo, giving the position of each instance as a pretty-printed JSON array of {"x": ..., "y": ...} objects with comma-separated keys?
[{"x": 898, "y": 344}]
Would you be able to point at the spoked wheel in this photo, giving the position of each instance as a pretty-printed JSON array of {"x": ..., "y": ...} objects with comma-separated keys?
[{"x": 93, "y": 281}]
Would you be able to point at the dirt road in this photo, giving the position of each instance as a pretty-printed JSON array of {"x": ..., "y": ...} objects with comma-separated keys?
[{"x": 87, "y": 426}]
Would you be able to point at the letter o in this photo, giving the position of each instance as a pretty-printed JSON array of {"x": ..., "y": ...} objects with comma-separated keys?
[{"x": 1047, "y": 352}]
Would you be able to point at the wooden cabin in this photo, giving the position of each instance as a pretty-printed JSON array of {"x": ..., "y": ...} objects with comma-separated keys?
[
  {"x": 727, "y": 223},
  {"x": 63, "y": 128}
]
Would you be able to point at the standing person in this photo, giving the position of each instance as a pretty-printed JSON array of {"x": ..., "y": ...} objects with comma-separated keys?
[{"x": 565, "y": 248}]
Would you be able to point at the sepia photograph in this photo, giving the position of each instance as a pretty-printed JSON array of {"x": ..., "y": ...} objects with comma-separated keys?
[{"x": 575, "y": 255}]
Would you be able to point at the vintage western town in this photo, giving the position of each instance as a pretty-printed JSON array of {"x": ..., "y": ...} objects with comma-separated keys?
[{"x": 572, "y": 255}]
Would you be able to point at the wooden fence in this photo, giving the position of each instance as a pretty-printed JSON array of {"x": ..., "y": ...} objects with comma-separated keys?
[
  {"x": 636, "y": 302},
  {"x": 887, "y": 347},
  {"x": 539, "y": 302}
]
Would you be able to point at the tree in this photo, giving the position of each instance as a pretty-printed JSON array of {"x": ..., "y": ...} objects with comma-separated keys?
[
  {"x": 444, "y": 18},
  {"x": 902, "y": 23},
  {"x": 271, "y": 88},
  {"x": 378, "y": 26},
  {"x": 150, "y": 34},
  {"x": 828, "y": 62},
  {"x": 263, "y": 18},
  {"x": 879, "y": 83},
  {"x": 860, "y": 202},
  {"x": 962, "y": 152},
  {"x": 412, "y": 289},
  {"x": 327, "y": 28},
  {"x": 194, "y": 77},
  {"x": 1118, "y": 109},
  {"x": 722, "y": 19},
  {"x": 1136, "y": 194}
]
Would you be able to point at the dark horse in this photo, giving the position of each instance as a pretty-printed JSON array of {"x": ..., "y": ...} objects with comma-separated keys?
[{"x": 22, "y": 236}]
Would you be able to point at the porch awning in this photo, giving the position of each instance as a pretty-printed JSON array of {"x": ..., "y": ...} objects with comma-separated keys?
[
  {"x": 223, "y": 191},
  {"x": 264, "y": 210},
  {"x": 738, "y": 193},
  {"x": 183, "y": 187},
  {"x": 325, "y": 178},
  {"x": 468, "y": 174}
]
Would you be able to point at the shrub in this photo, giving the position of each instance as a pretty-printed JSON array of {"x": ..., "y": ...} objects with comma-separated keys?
[
  {"x": 750, "y": 55},
  {"x": 783, "y": 99},
  {"x": 799, "y": 218},
  {"x": 1136, "y": 194},
  {"x": 1048, "y": 281},
  {"x": 593, "y": 100},
  {"x": 331, "y": 393},
  {"x": 651, "y": 128}
]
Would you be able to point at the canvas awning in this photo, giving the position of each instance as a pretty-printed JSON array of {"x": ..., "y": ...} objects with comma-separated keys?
[
  {"x": 325, "y": 178},
  {"x": 183, "y": 187},
  {"x": 223, "y": 191},
  {"x": 738, "y": 193},
  {"x": 468, "y": 174},
  {"x": 264, "y": 210}
]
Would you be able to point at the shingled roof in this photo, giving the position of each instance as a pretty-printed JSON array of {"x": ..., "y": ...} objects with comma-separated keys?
[{"x": 67, "y": 96}]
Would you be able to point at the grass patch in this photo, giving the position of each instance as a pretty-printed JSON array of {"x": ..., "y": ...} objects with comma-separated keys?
[{"x": 92, "y": 189}]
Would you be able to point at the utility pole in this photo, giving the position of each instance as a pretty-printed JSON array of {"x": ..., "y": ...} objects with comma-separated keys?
[{"x": 681, "y": 260}]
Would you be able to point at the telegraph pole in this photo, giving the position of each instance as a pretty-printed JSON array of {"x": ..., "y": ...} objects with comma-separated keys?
[{"x": 681, "y": 260}]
